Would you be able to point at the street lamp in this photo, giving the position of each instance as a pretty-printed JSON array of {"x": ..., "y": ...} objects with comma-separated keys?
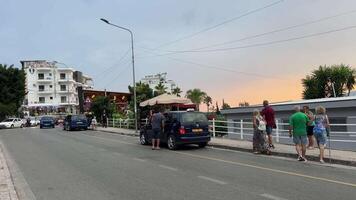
[{"x": 133, "y": 66}]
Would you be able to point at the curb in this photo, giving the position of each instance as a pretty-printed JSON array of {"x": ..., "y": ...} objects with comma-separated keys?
[
  {"x": 129, "y": 134},
  {"x": 289, "y": 155},
  {"x": 280, "y": 154}
]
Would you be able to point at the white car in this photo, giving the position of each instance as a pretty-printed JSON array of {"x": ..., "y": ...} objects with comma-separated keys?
[{"x": 11, "y": 123}]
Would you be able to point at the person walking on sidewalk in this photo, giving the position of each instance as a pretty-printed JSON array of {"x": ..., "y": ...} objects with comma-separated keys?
[
  {"x": 310, "y": 127},
  {"x": 259, "y": 137},
  {"x": 268, "y": 114},
  {"x": 157, "y": 122},
  {"x": 321, "y": 129},
  {"x": 298, "y": 129}
]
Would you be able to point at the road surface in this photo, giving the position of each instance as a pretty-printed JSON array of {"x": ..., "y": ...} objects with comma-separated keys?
[{"x": 92, "y": 165}]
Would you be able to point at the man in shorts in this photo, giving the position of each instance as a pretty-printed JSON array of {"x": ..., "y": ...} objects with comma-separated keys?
[
  {"x": 298, "y": 129},
  {"x": 268, "y": 114},
  {"x": 157, "y": 122}
]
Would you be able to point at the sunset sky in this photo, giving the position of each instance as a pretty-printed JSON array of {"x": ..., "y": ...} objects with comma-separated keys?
[{"x": 70, "y": 31}]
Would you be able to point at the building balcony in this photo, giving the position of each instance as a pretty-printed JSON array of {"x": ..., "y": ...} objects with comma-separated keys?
[
  {"x": 43, "y": 69},
  {"x": 66, "y": 80},
  {"x": 67, "y": 91},
  {"x": 45, "y": 91},
  {"x": 45, "y": 80}
]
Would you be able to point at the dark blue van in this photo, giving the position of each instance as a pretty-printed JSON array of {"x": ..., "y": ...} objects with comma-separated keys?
[
  {"x": 75, "y": 122},
  {"x": 180, "y": 127}
]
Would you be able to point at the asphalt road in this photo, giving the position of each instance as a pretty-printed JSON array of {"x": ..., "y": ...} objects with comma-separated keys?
[{"x": 92, "y": 165}]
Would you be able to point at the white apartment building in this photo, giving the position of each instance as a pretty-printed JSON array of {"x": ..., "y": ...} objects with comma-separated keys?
[
  {"x": 154, "y": 80},
  {"x": 50, "y": 89}
]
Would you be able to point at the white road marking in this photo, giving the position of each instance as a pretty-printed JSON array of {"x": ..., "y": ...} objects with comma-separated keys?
[
  {"x": 168, "y": 167},
  {"x": 212, "y": 180},
  {"x": 139, "y": 159},
  {"x": 269, "y": 196}
]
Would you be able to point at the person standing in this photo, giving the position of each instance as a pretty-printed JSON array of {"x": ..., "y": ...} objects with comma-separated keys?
[
  {"x": 310, "y": 126},
  {"x": 268, "y": 114},
  {"x": 320, "y": 129},
  {"x": 105, "y": 120},
  {"x": 93, "y": 123},
  {"x": 157, "y": 122},
  {"x": 298, "y": 129},
  {"x": 259, "y": 137}
]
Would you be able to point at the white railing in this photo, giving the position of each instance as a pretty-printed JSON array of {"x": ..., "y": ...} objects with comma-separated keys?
[
  {"x": 124, "y": 123},
  {"x": 244, "y": 130}
]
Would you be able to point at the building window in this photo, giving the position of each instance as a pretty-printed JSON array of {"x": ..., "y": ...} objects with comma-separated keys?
[
  {"x": 40, "y": 76},
  {"x": 50, "y": 86},
  {"x": 62, "y": 76},
  {"x": 63, "y": 99},
  {"x": 51, "y": 98},
  {"x": 63, "y": 88},
  {"x": 41, "y": 88},
  {"x": 50, "y": 74},
  {"x": 41, "y": 99}
]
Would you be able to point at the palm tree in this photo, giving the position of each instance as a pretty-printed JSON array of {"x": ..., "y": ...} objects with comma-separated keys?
[
  {"x": 196, "y": 96},
  {"x": 351, "y": 81},
  {"x": 207, "y": 100},
  {"x": 160, "y": 89},
  {"x": 177, "y": 91}
]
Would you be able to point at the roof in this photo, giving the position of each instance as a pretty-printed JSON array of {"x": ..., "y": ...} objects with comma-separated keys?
[
  {"x": 337, "y": 102},
  {"x": 107, "y": 91}
]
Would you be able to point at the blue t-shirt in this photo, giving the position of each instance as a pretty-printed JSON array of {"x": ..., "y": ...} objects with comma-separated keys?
[{"x": 156, "y": 121}]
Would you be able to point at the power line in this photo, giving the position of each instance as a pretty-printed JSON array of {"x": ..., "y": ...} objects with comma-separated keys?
[
  {"x": 217, "y": 68},
  {"x": 277, "y": 30},
  {"x": 217, "y": 25},
  {"x": 118, "y": 75},
  {"x": 264, "y": 43},
  {"x": 110, "y": 68}
]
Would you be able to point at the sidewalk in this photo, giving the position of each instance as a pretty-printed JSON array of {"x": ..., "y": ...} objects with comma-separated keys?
[
  {"x": 7, "y": 189},
  {"x": 337, "y": 156}
]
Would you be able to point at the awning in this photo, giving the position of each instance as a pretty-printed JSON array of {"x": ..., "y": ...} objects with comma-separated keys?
[{"x": 165, "y": 99}]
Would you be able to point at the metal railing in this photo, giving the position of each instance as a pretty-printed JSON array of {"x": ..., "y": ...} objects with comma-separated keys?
[
  {"x": 244, "y": 130},
  {"x": 124, "y": 123}
]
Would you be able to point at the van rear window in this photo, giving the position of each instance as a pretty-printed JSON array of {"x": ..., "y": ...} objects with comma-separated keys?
[
  {"x": 79, "y": 117},
  {"x": 194, "y": 117}
]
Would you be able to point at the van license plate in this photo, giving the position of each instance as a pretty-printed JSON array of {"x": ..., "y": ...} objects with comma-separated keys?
[{"x": 197, "y": 130}]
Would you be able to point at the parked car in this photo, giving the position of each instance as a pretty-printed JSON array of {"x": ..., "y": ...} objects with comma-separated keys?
[
  {"x": 34, "y": 121},
  {"x": 47, "y": 122},
  {"x": 180, "y": 127},
  {"x": 11, "y": 123},
  {"x": 75, "y": 122}
]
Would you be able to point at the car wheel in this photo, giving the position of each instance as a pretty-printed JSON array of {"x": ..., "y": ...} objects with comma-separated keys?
[
  {"x": 143, "y": 140},
  {"x": 12, "y": 126},
  {"x": 21, "y": 126},
  {"x": 203, "y": 144},
  {"x": 41, "y": 127},
  {"x": 53, "y": 126},
  {"x": 171, "y": 142}
]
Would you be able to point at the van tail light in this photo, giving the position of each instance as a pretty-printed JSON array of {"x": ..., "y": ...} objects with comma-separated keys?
[{"x": 182, "y": 130}]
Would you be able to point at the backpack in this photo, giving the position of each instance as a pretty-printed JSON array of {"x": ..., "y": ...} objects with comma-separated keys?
[
  {"x": 319, "y": 127},
  {"x": 261, "y": 124}
]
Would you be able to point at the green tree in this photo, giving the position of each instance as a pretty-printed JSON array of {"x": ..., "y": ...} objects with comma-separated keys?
[
  {"x": 160, "y": 89},
  {"x": 177, "y": 91},
  {"x": 196, "y": 96},
  {"x": 322, "y": 82},
  {"x": 225, "y": 106},
  {"x": 207, "y": 100},
  {"x": 102, "y": 104},
  {"x": 143, "y": 93},
  {"x": 12, "y": 90}
]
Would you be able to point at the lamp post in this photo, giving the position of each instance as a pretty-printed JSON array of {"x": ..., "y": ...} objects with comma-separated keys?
[{"x": 133, "y": 66}]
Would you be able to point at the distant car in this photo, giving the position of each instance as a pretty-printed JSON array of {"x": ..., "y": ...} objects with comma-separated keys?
[
  {"x": 180, "y": 127},
  {"x": 75, "y": 122},
  {"x": 11, "y": 123},
  {"x": 47, "y": 122},
  {"x": 34, "y": 121}
]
